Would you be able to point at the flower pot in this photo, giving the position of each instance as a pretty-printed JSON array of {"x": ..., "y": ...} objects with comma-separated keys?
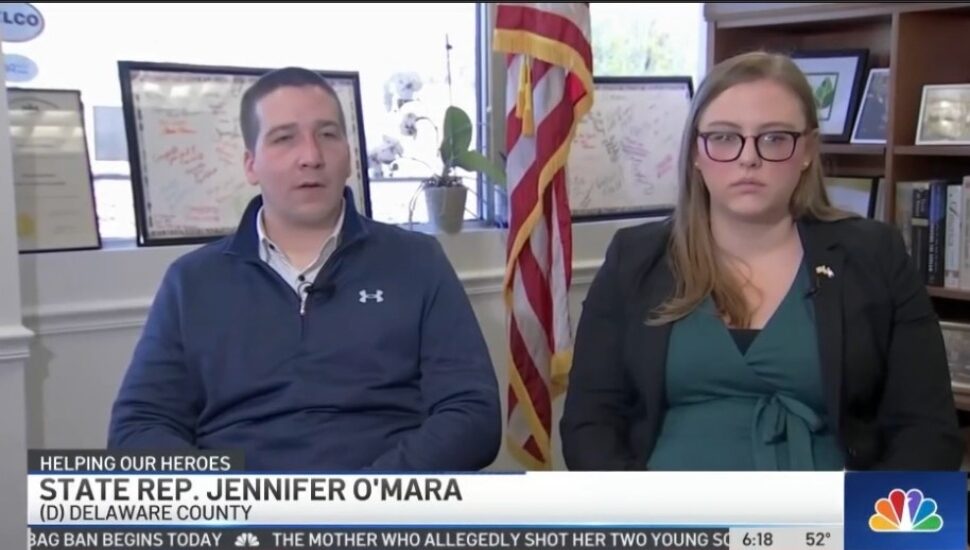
[{"x": 446, "y": 207}]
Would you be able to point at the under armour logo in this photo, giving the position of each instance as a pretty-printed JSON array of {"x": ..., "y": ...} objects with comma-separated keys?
[{"x": 377, "y": 296}]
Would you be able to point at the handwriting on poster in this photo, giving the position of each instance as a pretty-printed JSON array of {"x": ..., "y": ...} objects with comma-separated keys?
[{"x": 625, "y": 151}]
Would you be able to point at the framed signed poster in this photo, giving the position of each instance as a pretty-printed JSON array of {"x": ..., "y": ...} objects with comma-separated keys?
[{"x": 623, "y": 158}]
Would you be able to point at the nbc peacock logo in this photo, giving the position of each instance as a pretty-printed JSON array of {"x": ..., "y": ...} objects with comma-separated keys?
[{"x": 906, "y": 512}]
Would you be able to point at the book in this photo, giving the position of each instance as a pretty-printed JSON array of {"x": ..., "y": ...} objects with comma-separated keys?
[
  {"x": 936, "y": 233},
  {"x": 953, "y": 242},
  {"x": 920, "y": 231}
]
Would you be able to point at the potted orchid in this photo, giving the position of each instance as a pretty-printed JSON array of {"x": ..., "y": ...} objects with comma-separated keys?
[{"x": 444, "y": 191}]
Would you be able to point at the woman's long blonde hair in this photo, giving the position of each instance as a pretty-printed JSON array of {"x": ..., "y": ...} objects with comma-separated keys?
[{"x": 693, "y": 259}]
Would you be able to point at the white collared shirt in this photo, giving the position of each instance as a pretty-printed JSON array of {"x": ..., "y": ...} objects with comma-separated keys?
[{"x": 273, "y": 255}]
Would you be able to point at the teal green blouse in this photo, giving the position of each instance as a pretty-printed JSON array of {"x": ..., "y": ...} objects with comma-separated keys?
[{"x": 758, "y": 409}]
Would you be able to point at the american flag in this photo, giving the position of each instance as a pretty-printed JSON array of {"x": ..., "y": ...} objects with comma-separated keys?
[{"x": 550, "y": 88}]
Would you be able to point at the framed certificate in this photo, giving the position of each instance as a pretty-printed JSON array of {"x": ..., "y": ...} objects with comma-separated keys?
[
  {"x": 53, "y": 187},
  {"x": 944, "y": 115}
]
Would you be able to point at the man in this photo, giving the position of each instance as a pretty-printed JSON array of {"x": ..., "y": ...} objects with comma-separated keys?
[{"x": 312, "y": 338}]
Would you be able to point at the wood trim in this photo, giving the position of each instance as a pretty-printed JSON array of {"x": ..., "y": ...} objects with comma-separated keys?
[
  {"x": 949, "y": 293},
  {"x": 892, "y": 96},
  {"x": 762, "y": 14},
  {"x": 934, "y": 150},
  {"x": 711, "y": 43},
  {"x": 865, "y": 149}
]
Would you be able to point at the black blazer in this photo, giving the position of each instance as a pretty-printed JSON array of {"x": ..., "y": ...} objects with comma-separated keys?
[{"x": 884, "y": 365}]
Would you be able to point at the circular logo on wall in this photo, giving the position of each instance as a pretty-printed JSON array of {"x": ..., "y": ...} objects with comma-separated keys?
[
  {"x": 19, "y": 68},
  {"x": 20, "y": 22}
]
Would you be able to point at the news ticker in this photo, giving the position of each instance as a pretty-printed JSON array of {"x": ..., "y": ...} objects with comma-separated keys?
[
  {"x": 548, "y": 538},
  {"x": 71, "y": 492}
]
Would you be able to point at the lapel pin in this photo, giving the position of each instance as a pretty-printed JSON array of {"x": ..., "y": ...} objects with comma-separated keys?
[{"x": 824, "y": 270}]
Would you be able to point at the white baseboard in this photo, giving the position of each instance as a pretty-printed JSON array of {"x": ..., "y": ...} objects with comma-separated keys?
[
  {"x": 87, "y": 316},
  {"x": 14, "y": 343}
]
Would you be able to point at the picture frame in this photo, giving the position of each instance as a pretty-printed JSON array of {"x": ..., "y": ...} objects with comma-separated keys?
[
  {"x": 857, "y": 194},
  {"x": 54, "y": 195},
  {"x": 624, "y": 154},
  {"x": 956, "y": 339},
  {"x": 836, "y": 80},
  {"x": 185, "y": 147},
  {"x": 872, "y": 122},
  {"x": 944, "y": 115}
]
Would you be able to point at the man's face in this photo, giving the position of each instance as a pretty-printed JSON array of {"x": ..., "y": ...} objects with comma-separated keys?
[{"x": 301, "y": 158}]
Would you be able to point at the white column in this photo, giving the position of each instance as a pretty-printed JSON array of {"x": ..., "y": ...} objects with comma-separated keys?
[{"x": 14, "y": 349}]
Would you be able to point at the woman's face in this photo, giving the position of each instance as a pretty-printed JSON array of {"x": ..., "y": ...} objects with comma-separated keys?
[{"x": 752, "y": 149}]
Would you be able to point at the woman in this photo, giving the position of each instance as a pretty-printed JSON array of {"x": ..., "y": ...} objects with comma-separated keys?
[{"x": 759, "y": 328}]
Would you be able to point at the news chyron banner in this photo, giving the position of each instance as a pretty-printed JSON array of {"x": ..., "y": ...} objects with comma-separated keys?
[{"x": 134, "y": 501}]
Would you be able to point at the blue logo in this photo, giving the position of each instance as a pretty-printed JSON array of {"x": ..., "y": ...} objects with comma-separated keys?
[
  {"x": 20, "y": 22},
  {"x": 19, "y": 68},
  {"x": 906, "y": 511}
]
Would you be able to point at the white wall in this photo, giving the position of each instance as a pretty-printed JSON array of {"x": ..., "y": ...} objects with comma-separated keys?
[
  {"x": 13, "y": 352},
  {"x": 88, "y": 308}
]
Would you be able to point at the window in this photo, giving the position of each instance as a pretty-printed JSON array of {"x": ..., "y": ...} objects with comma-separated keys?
[
  {"x": 643, "y": 39},
  {"x": 82, "y": 43}
]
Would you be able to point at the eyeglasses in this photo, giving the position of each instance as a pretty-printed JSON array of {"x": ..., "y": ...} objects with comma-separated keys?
[{"x": 774, "y": 146}]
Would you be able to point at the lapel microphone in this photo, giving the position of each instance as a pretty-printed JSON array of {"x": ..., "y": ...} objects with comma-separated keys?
[
  {"x": 326, "y": 289},
  {"x": 813, "y": 289},
  {"x": 303, "y": 287},
  {"x": 306, "y": 289}
]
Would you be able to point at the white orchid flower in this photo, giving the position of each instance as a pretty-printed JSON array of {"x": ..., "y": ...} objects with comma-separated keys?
[{"x": 409, "y": 125}]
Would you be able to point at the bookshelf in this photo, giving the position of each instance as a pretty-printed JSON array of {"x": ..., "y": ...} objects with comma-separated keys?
[
  {"x": 920, "y": 43},
  {"x": 853, "y": 149},
  {"x": 933, "y": 150},
  {"x": 950, "y": 293},
  {"x": 915, "y": 41}
]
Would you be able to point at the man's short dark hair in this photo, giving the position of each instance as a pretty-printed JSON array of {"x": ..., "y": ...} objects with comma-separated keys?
[{"x": 272, "y": 81}]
